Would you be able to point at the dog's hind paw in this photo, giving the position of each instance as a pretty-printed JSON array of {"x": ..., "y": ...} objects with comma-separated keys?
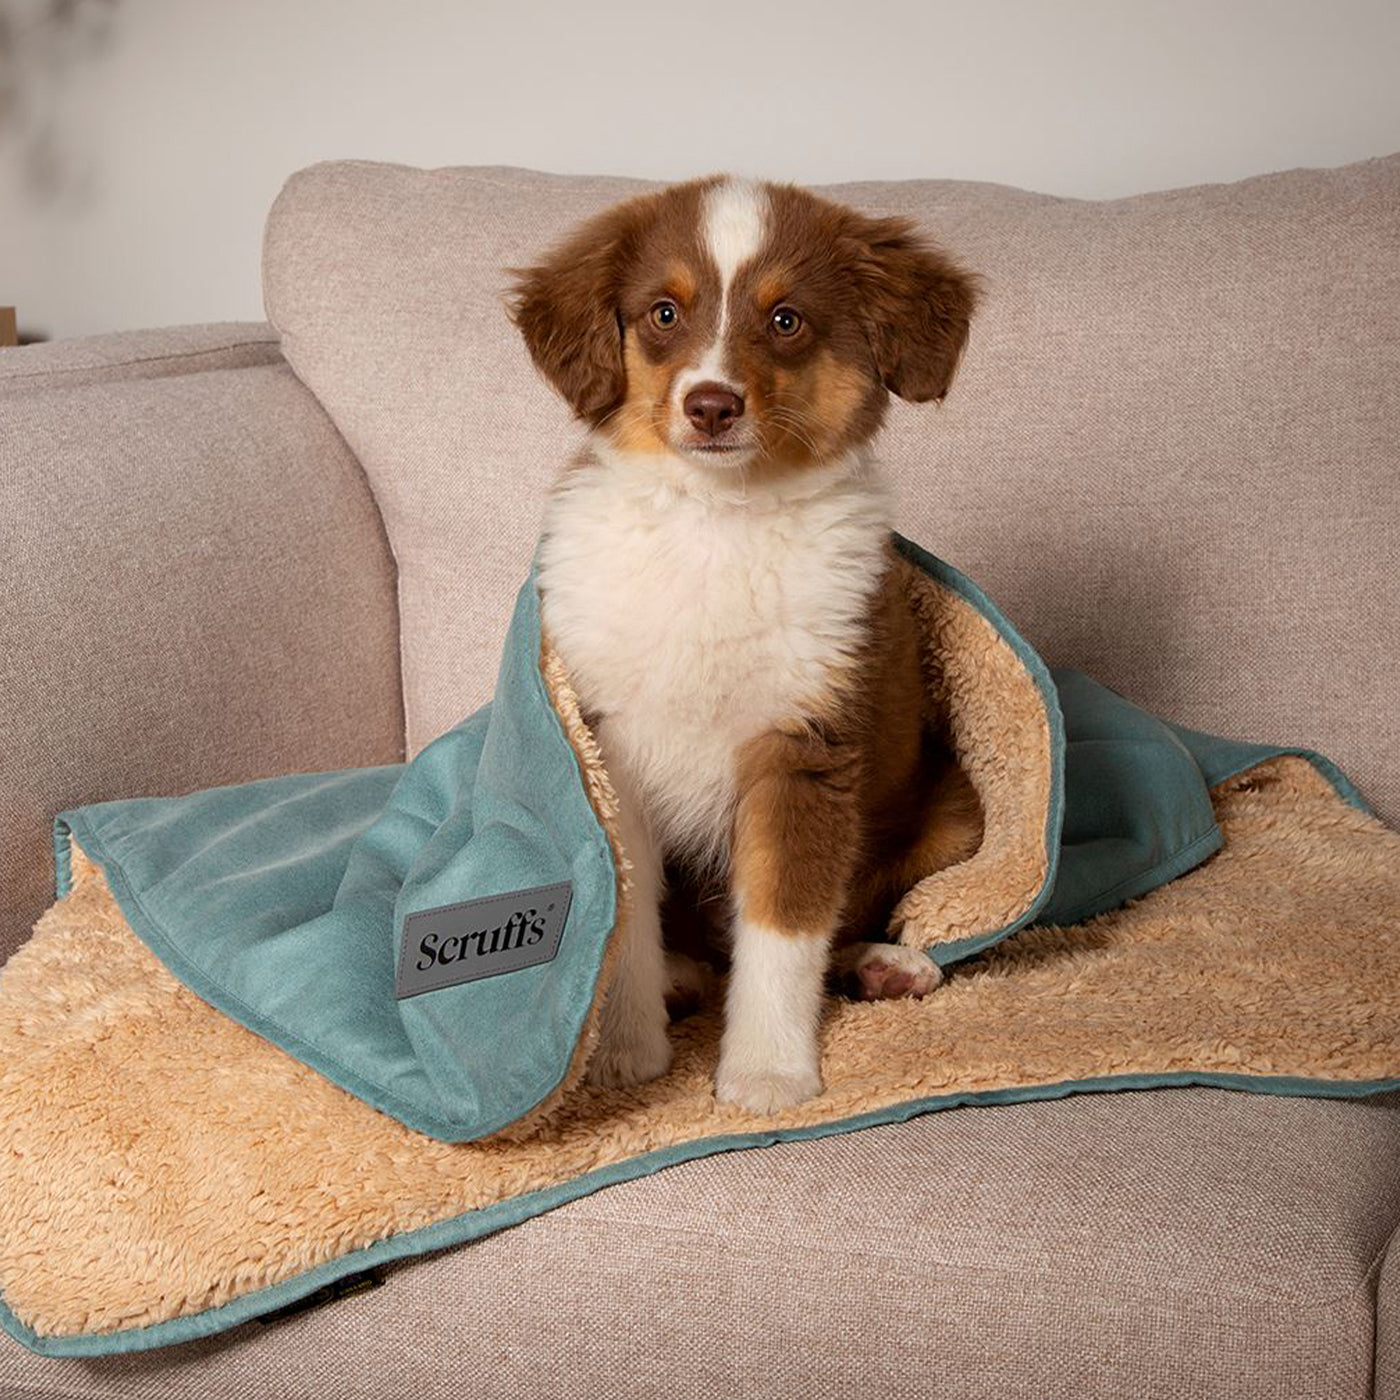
[
  {"x": 688, "y": 983},
  {"x": 880, "y": 971}
]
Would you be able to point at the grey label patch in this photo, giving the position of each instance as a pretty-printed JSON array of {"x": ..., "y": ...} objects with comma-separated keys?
[{"x": 481, "y": 938}]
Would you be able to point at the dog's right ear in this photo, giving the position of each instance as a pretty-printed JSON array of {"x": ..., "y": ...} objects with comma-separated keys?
[
  {"x": 918, "y": 306},
  {"x": 567, "y": 308}
]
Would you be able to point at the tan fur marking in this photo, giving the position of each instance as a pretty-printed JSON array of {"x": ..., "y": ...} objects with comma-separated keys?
[
  {"x": 808, "y": 413},
  {"x": 635, "y": 427},
  {"x": 835, "y": 396},
  {"x": 770, "y": 289},
  {"x": 681, "y": 283}
]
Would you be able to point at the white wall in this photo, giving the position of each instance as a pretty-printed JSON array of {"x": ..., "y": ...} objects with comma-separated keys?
[{"x": 139, "y": 154}]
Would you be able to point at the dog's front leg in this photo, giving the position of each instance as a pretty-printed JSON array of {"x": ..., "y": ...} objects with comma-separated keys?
[
  {"x": 794, "y": 848},
  {"x": 633, "y": 1044}
]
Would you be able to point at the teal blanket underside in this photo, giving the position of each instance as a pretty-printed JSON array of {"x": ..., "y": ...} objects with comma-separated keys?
[{"x": 282, "y": 903}]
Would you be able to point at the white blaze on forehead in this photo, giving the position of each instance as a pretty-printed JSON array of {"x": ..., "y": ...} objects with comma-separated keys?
[{"x": 734, "y": 218}]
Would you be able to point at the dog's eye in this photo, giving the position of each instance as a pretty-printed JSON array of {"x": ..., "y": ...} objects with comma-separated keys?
[
  {"x": 665, "y": 314},
  {"x": 786, "y": 321}
]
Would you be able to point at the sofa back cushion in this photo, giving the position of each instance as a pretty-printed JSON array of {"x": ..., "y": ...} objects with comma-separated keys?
[{"x": 1171, "y": 455}]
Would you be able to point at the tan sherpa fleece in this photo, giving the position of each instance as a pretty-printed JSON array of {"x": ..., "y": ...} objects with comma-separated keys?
[{"x": 160, "y": 1160}]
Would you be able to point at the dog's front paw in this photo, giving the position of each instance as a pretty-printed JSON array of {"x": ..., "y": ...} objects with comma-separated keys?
[
  {"x": 621, "y": 1061},
  {"x": 880, "y": 971},
  {"x": 766, "y": 1091}
]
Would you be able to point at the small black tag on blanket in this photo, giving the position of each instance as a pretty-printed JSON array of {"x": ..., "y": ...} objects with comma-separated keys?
[
  {"x": 331, "y": 1292},
  {"x": 481, "y": 938}
]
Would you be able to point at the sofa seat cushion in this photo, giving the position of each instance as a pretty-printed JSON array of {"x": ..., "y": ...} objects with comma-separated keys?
[
  {"x": 1170, "y": 455},
  {"x": 1180, "y": 1242}
]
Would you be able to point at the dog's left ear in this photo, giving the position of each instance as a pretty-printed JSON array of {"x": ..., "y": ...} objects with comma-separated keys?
[
  {"x": 566, "y": 307},
  {"x": 918, "y": 306}
]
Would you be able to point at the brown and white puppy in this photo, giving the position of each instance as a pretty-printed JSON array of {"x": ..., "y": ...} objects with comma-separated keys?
[{"x": 715, "y": 573}]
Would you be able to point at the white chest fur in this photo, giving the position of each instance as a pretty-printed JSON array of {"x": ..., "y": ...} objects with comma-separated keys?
[{"x": 692, "y": 619}]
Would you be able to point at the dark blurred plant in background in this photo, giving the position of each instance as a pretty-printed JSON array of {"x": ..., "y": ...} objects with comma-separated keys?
[{"x": 43, "y": 47}]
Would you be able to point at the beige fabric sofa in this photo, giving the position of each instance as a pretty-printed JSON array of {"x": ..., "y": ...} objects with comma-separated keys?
[{"x": 1173, "y": 458}]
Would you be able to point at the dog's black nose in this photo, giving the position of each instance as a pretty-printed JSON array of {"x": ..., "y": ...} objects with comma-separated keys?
[{"x": 713, "y": 409}]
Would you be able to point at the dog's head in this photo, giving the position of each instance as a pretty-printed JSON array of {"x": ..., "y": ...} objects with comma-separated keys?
[{"x": 731, "y": 323}]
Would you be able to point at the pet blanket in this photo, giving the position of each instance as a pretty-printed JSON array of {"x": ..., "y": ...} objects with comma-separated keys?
[{"x": 275, "y": 1033}]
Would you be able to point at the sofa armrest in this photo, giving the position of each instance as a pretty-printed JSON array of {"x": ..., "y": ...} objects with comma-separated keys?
[{"x": 194, "y": 584}]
